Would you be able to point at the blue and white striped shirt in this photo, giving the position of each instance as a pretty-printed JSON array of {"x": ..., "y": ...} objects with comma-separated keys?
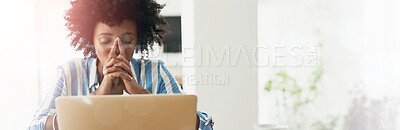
[{"x": 78, "y": 76}]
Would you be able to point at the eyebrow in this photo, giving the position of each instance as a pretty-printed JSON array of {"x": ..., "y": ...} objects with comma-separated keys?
[
  {"x": 128, "y": 33},
  {"x": 109, "y": 34}
]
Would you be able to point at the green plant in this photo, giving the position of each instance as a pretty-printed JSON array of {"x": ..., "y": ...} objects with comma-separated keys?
[
  {"x": 295, "y": 98},
  {"x": 328, "y": 124},
  {"x": 288, "y": 86}
]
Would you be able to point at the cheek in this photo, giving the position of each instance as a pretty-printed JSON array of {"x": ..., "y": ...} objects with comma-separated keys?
[
  {"x": 129, "y": 53},
  {"x": 102, "y": 52},
  {"x": 129, "y": 49}
]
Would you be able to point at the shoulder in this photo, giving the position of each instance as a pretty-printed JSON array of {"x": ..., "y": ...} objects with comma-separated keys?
[{"x": 75, "y": 64}]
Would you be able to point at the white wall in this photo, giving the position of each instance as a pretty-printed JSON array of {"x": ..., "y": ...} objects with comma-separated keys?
[
  {"x": 172, "y": 7},
  {"x": 33, "y": 46},
  {"x": 18, "y": 67},
  {"x": 216, "y": 25},
  {"x": 360, "y": 54},
  {"x": 173, "y": 61}
]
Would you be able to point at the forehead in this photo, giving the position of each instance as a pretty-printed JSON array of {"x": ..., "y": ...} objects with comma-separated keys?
[{"x": 125, "y": 26}]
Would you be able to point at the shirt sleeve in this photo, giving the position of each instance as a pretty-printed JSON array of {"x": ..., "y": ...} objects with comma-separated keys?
[
  {"x": 47, "y": 108},
  {"x": 168, "y": 84},
  {"x": 206, "y": 122}
]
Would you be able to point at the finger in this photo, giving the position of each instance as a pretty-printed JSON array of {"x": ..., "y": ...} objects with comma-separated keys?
[
  {"x": 123, "y": 59},
  {"x": 116, "y": 60},
  {"x": 124, "y": 67},
  {"x": 121, "y": 48},
  {"x": 120, "y": 74},
  {"x": 114, "y": 47},
  {"x": 128, "y": 80},
  {"x": 110, "y": 63},
  {"x": 119, "y": 67},
  {"x": 109, "y": 58},
  {"x": 112, "y": 70}
]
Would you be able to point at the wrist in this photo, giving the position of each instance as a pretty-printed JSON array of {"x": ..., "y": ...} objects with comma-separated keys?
[
  {"x": 139, "y": 91},
  {"x": 98, "y": 92}
]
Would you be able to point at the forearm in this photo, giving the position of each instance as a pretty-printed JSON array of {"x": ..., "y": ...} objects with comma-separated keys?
[
  {"x": 49, "y": 123},
  {"x": 140, "y": 91}
]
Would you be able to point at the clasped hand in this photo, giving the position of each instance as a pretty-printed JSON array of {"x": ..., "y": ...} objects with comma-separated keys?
[{"x": 118, "y": 76}]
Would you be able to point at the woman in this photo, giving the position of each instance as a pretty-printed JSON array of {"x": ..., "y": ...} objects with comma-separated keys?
[{"x": 109, "y": 32}]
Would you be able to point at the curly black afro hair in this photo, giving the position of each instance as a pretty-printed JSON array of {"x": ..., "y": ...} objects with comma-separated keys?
[{"x": 84, "y": 14}]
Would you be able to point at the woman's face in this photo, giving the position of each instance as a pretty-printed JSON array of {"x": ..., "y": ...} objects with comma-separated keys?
[{"x": 105, "y": 35}]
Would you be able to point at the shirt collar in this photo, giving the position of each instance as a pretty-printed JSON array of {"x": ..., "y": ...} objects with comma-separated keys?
[
  {"x": 93, "y": 73},
  {"x": 133, "y": 70}
]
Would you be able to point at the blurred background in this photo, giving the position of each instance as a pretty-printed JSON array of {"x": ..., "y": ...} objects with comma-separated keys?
[{"x": 310, "y": 64}]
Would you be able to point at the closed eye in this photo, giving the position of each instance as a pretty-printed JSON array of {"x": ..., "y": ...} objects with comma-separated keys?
[
  {"x": 126, "y": 42},
  {"x": 105, "y": 42}
]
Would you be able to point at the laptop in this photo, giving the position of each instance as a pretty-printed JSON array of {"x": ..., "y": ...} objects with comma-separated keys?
[{"x": 133, "y": 112}]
